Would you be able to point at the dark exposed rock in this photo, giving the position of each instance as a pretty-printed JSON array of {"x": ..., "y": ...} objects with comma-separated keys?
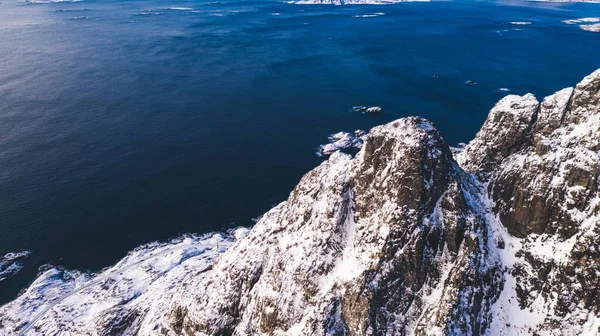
[
  {"x": 118, "y": 321},
  {"x": 504, "y": 132},
  {"x": 536, "y": 189},
  {"x": 545, "y": 191}
]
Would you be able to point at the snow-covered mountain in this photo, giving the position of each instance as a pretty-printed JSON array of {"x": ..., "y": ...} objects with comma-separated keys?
[{"x": 410, "y": 237}]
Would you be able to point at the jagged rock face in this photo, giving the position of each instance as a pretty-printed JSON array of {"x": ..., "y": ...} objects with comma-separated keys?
[
  {"x": 503, "y": 133},
  {"x": 546, "y": 193},
  {"x": 410, "y": 185},
  {"x": 553, "y": 176},
  {"x": 358, "y": 248},
  {"x": 586, "y": 100},
  {"x": 551, "y": 117},
  {"x": 400, "y": 240}
]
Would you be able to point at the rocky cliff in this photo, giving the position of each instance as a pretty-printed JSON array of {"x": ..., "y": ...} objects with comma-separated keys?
[{"x": 408, "y": 237}]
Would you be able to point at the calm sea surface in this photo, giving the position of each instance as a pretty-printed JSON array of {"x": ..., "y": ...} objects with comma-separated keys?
[{"x": 125, "y": 122}]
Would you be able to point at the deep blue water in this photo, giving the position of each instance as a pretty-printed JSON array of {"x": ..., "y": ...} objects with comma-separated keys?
[{"x": 124, "y": 122}]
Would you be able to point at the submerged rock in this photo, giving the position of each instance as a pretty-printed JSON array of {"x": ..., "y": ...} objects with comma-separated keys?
[{"x": 359, "y": 109}]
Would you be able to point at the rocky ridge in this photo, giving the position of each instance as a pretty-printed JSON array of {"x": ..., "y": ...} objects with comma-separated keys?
[{"x": 408, "y": 237}]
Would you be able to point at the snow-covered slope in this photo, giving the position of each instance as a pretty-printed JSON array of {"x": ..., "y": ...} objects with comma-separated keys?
[
  {"x": 543, "y": 192},
  {"x": 406, "y": 238}
]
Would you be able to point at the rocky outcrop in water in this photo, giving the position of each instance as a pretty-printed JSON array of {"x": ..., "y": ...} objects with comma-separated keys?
[
  {"x": 408, "y": 237},
  {"x": 343, "y": 141}
]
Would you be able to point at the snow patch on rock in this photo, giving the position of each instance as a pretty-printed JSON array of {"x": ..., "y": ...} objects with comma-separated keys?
[
  {"x": 591, "y": 27},
  {"x": 342, "y": 141},
  {"x": 582, "y": 20}
]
